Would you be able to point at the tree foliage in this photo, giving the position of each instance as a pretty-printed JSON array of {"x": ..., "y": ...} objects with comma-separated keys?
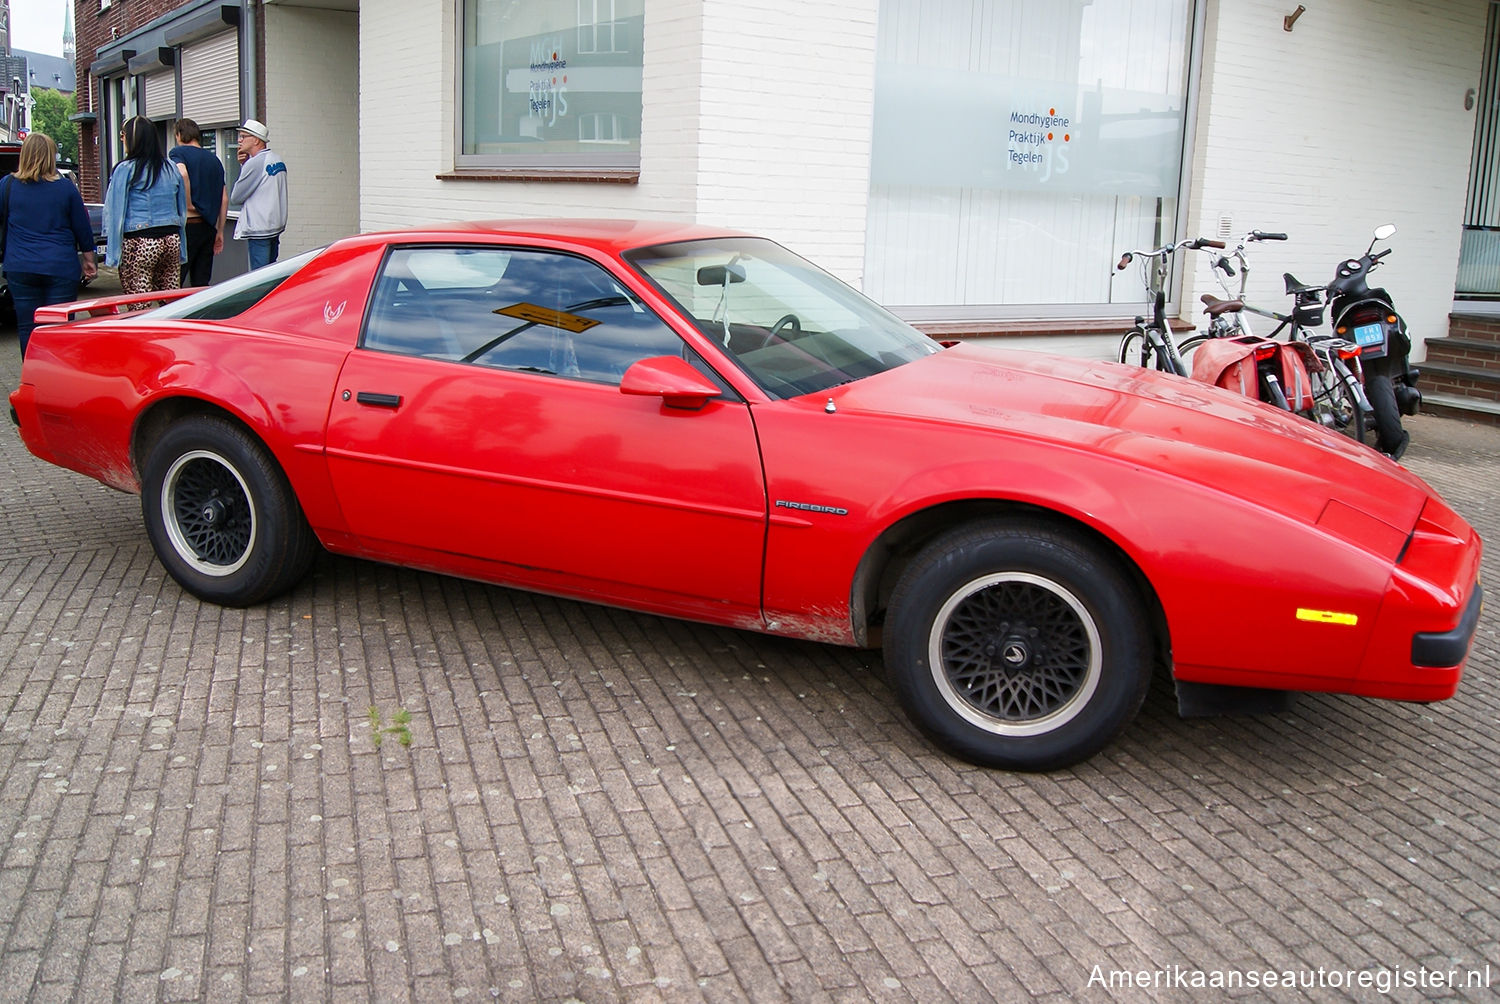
[{"x": 50, "y": 115}]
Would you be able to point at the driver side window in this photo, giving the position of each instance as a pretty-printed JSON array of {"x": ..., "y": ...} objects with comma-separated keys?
[{"x": 534, "y": 311}]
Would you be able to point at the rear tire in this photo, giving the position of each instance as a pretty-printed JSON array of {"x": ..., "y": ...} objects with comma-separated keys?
[
  {"x": 1016, "y": 644},
  {"x": 220, "y": 514},
  {"x": 1390, "y": 438},
  {"x": 1342, "y": 408}
]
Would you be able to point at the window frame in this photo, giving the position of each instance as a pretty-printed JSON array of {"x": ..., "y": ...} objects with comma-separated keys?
[{"x": 598, "y": 163}]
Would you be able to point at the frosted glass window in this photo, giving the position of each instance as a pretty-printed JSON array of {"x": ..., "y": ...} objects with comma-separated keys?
[
  {"x": 551, "y": 83},
  {"x": 1019, "y": 144}
]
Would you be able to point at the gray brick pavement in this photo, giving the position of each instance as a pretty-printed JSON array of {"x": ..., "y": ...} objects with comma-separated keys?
[{"x": 607, "y": 806}]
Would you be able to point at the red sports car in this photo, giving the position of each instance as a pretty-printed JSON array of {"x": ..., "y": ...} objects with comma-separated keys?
[{"x": 699, "y": 423}]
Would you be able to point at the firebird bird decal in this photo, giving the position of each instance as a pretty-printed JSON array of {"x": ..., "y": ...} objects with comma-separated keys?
[
  {"x": 332, "y": 313},
  {"x": 832, "y": 510}
]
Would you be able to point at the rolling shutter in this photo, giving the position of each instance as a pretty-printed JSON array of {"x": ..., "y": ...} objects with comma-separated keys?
[
  {"x": 211, "y": 80},
  {"x": 160, "y": 90}
]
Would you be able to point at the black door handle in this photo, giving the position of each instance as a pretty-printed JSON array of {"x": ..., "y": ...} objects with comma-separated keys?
[{"x": 378, "y": 400}]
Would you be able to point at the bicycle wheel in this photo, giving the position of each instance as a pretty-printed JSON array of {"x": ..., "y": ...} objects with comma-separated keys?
[
  {"x": 1136, "y": 349},
  {"x": 1336, "y": 405},
  {"x": 1187, "y": 346}
]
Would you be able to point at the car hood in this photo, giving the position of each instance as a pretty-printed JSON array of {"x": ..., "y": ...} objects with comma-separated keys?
[{"x": 1185, "y": 429}]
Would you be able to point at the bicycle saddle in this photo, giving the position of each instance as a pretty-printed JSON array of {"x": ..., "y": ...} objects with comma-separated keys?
[
  {"x": 1295, "y": 285},
  {"x": 1213, "y": 306}
]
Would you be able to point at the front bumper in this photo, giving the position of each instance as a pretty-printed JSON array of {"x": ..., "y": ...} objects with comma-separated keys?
[{"x": 1441, "y": 649}]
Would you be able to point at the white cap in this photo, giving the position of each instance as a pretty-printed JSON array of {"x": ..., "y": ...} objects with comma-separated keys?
[{"x": 257, "y": 129}]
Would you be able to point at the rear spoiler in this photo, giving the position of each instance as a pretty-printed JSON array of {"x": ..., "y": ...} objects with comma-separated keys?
[{"x": 62, "y": 313}]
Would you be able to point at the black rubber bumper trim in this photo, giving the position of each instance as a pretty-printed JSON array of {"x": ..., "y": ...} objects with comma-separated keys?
[{"x": 1440, "y": 650}]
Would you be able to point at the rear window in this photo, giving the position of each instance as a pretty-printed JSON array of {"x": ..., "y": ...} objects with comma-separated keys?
[{"x": 231, "y": 297}]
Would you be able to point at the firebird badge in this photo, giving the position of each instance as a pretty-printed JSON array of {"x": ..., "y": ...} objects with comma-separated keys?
[
  {"x": 832, "y": 510},
  {"x": 332, "y": 313}
]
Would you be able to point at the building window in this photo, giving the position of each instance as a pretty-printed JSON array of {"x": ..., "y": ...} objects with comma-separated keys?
[
  {"x": 596, "y": 26},
  {"x": 550, "y": 84},
  {"x": 1019, "y": 147},
  {"x": 223, "y": 143},
  {"x": 601, "y": 127}
]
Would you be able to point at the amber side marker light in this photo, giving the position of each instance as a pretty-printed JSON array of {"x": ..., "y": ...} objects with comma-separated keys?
[{"x": 1326, "y": 617}]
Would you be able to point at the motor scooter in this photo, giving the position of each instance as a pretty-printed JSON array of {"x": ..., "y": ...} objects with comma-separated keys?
[{"x": 1368, "y": 318}]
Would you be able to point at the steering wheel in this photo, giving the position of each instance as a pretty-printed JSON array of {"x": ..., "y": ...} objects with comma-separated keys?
[{"x": 790, "y": 320}]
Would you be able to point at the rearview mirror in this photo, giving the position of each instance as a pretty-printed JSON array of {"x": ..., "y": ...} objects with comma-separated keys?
[
  {"x": 714, "y": 275},
  {"x": 670, "y": 378},
  {"x": 1385, "y": 231}
]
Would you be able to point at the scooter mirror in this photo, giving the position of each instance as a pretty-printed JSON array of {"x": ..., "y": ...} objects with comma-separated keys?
[{"x": 1385, "y": 232}]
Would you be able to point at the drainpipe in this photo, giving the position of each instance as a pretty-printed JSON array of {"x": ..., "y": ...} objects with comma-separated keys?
[{"x": 249, "y": 56}]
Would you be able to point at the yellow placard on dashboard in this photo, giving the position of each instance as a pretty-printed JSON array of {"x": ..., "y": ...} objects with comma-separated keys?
[{"x": 552, "y": 318}]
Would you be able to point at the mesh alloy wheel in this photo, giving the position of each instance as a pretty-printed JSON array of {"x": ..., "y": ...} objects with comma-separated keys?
[
  {"x": 1015, "y": 654},
  {"x": 208, "y": 515}
]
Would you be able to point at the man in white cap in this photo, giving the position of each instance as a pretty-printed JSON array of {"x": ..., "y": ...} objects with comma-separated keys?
[{"x": 260, "y": 193}]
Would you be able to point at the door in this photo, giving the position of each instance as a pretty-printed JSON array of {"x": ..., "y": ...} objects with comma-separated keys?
[{"x": 480, "y": 425}]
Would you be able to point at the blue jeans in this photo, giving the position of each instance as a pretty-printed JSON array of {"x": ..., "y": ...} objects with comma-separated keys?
[
  {"x": 262, "y": 250},
  {"x": 31, "y": 290}
]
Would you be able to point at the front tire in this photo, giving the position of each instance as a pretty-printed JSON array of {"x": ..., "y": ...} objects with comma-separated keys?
[
  {"x": 221, "y": 516},
  {"x": 1016, "y": 644},
  {"x": 1136, "y": 350}
]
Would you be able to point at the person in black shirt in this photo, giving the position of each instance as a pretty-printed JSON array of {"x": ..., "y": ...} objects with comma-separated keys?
[{"x": 207, "y": 212}]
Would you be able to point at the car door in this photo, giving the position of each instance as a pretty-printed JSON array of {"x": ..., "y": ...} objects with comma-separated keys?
[{"x": 480, "y": 429}]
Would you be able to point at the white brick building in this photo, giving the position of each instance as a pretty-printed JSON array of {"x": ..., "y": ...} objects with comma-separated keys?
[{"x": 864, "y": 134}]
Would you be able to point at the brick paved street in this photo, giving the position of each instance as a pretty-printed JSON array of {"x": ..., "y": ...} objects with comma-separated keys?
[{"x": 604, "y": 805}]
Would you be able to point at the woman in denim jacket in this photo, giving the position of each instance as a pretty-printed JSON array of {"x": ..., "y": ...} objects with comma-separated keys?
[{"x": 145, "y": 213}]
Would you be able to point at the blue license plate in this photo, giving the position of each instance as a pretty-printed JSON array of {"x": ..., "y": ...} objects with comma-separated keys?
[{"x": 1369, "y": 334}]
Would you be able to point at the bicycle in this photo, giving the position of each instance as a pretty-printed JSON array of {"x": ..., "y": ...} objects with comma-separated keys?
[
  {"x": 1338, "y": 395},
  {"x": 1152, "y": 345}
]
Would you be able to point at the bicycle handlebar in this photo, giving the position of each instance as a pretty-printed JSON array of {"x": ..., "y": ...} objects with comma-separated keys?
[
  {"x": 1191, "y": 244},
  {"x": 1260, "y": 235}
]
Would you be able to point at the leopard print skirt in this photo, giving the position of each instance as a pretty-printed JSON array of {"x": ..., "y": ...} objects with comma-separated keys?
[{"x": 148, "y": 264}]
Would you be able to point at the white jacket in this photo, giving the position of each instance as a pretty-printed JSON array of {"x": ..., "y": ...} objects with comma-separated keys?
[{"x": 260, "y": 192}]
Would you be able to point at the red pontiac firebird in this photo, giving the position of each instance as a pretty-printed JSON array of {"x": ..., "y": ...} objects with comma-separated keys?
[{"x": 699, "y": 423}]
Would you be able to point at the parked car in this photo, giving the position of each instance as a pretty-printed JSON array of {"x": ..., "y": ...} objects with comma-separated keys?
[
  {"x": 10, "y": 158},
  {"x": 699, "y": 423}
]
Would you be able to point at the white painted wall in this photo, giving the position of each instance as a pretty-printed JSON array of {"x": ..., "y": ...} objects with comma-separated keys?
[
  {"x": 788, "y": 93},
  {"x": 1354, "y": 118},
  {"x": 408, "y": 137},
  {"x": 312, "y": 83},
  {"x": 756, "y": 115}
]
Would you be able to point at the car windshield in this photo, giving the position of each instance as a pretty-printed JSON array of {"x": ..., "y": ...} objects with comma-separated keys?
[
  {"x": 230, "y": 297},
  {"x": 792, "y": 327}
]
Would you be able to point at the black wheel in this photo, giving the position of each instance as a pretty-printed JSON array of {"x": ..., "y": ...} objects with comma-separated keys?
[
  {"x": 1135, "y": 350},
  {"x": 221, "y": 516},
  {"x": 1337, "y": 407},
  {"x": 1014, "y": 644},
  {"x": 1390, "y": 438},
  {"x": 1187, "y": 347}
]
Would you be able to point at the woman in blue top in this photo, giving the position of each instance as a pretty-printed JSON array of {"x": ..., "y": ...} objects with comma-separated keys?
[
  {"x": 145, "y": 213},
  {"x": 46, "y": 227}
]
